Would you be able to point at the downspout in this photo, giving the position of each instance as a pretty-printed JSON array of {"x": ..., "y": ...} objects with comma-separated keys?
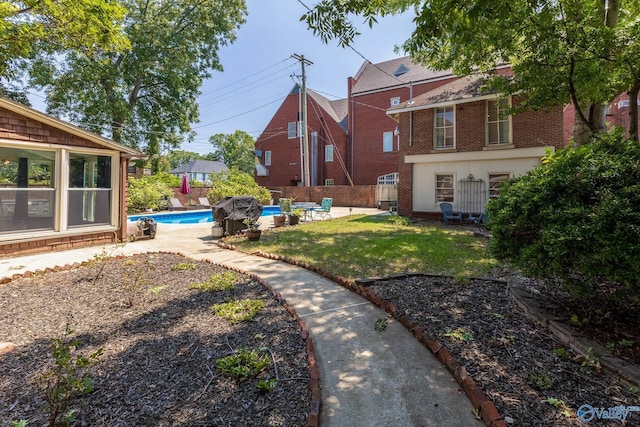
[{"x": 410, "y": 114}]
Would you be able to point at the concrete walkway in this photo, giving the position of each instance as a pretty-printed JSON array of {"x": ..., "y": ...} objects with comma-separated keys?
[{"x": 368, "y": 378}]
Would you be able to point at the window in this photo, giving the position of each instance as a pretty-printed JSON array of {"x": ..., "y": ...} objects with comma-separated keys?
[
  {"x": 395, "y": 101},
  {"x": 444, "y": 128},
  {"x": 328, "y": 182},
  {"x": 444, "y": 188},
  {"x": 387, "y": 142},
  {"x": 89, "y": 190},
  {"x": 495, "y": 182},
  {"x": 391, "y": 178},
  {"x": 267, "y": 158},
  {"x": 27, "y": 189},
  {"x": 328, "y": 153},
  {"x": 292, "y": 130},
  {"x": 498, "y": 122}
]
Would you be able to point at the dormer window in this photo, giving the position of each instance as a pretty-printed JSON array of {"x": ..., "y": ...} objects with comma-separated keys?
[{"x": 402, "y": 69}]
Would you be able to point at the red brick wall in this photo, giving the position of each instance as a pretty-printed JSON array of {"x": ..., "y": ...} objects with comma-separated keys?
[
  {"x": 285, "y": 153},
  {"x": 361, "y": 196},
  {"x": 367, "y": 123},
  {"x": 529, "y": 129},
  {"x": 56, "y": 244}
]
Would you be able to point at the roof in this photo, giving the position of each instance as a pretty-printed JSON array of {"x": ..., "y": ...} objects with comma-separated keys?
[
  {"x": 337, "y": 109},
  {"x": 464, "y": 89},
  {"x": 38, "y": 116},
  {"x": 200, "y": 166},
  {"x": 393, "y": 73}
]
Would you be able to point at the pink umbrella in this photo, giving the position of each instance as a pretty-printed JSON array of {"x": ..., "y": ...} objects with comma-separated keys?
[{"x": 185, "y": 188}]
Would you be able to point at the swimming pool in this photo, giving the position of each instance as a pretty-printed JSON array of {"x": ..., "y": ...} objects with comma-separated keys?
[{"x": 193, "y": 217}]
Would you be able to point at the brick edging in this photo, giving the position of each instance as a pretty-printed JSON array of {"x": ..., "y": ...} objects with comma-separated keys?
[
  {"x": 627, "y": 371},
  {"x": 485, "y": 408},
  {"x": 313, "y": 415}
]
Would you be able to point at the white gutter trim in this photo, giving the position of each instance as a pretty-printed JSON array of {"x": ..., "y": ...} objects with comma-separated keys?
[{"x": 439, "y": 104}]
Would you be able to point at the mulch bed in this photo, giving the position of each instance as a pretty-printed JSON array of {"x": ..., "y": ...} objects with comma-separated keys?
[
  {"x": 531, "y": 377},
  {"x": 160, "y": 344}
]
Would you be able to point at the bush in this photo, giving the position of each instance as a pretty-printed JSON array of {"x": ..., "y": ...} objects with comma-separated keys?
[
  {"x": 576, "y": 217},
  {"x": 147, "y": 193},
  {"x": 236, "y": 183}
]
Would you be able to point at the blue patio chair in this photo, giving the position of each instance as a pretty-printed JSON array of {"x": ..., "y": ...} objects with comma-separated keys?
[
  {"x": 324, "y": 210},
  {"x": 481, "y": 221},
  {"x": 448, "y": 214}
]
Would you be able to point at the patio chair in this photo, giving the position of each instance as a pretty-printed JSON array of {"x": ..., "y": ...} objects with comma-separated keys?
[
  {"x": 204, "y": 202},
  {"x": 175, "y": 205},
  {"x": 448, "y": 214},
  {"x": 324, "y": 211},
  {"x": 481, "y": 221}
]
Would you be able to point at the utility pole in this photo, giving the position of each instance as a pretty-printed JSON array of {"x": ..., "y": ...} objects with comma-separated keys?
[{"x": 305, "y": 136}]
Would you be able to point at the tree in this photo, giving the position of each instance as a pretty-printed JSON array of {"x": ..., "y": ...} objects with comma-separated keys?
[
  {"x": 145, "y": 97},
  {"x": 235, "y": 150},
  {"x": 57, "y": 26},
  {"x": 564, "y": 51},
  {"x": 236, "y": 183}
]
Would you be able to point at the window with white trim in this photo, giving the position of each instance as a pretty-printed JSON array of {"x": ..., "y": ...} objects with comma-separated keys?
[
  {"x": 391, "y": 178},
  {"x": 292, "y": 130},
  {"x": 444, "y": 128},
  {"x": 498, "y": 122},
  {"x": 267, "y": 158},
  {"x": 395, "y": 101},
  {"x": 387, "y": 142},
  {"x": 328, "y": 182},
  {"x": 328, "y": 153},
  {"x": 444, "y": 188},
  {"x": 28, "y": 190},
  {"x": 495, "y": 182},
  {"x": 89, "y": 194}
]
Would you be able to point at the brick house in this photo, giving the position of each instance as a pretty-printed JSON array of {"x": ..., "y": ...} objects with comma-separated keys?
[
  {"x": 199, "y": 170},
  {"x": 279, "y": 147},
  {"x": 373, "y": 135},
  {"x": 60, "y": 186},
  {"x": 364, "y": 140},
  {"x": 456, "y": 147}
]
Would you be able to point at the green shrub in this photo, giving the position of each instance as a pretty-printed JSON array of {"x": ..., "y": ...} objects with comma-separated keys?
[
  {"x": 147, "y": 193},
  {"x": 236, "y": 183},
  {"x": 576, "y": 217},
  {"x": 238, "y": 311}
]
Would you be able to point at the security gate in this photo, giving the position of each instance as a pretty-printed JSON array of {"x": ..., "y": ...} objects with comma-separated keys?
[{"x": 472, "y": 195}]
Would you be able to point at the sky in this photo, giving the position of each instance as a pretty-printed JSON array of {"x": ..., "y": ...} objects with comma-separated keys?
[{"x": 259, "y": 71}]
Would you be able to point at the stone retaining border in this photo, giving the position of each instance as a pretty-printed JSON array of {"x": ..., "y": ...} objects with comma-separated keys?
[{"x": 313, "y": 417}]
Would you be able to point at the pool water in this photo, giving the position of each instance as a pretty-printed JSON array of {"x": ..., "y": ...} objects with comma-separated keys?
[{"x": 193, "y": 217}]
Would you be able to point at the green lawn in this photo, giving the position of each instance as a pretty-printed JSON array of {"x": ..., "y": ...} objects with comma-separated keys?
[{"x": 368, "y": 246}]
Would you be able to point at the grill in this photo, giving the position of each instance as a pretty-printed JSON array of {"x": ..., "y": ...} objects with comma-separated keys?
[{"x": 230, "y": 212}]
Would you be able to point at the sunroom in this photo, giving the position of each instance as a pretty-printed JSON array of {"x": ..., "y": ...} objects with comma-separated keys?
[{"x": 60, "y": 186}]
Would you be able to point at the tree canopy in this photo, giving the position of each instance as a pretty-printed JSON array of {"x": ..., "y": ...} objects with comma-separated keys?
[
  {"x": 561, "y": 51},
  {"x": 56, "y": 26},
  {"x": 144, "y": 97},
  {"x": 235, "y": 150}
]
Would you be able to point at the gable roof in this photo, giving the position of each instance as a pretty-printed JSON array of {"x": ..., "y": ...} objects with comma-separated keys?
[
  {"x": 389, "y": 74},
  {"x": 464, "y": 89},
  {"x": 337, "y": 109},
  {"x": 38, "y": 116},
  {"x": 200, "y": 166}
]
